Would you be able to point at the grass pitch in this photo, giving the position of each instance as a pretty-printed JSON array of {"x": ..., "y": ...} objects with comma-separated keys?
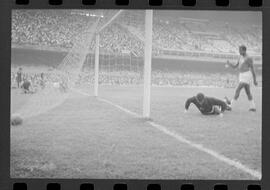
[{"x": 88, "y": 138}]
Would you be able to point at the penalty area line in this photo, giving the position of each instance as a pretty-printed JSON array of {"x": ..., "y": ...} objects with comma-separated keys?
[{"x": 236, "y": 164}]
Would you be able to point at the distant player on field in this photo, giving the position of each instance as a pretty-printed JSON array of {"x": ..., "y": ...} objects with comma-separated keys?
[
  {"x": 42, "y": 81},
  {"x": 26, "y": 86},
  {"x": 19, "y": 77},
  {"x": 246, "y": 75},
  {"x": 208, "y": 105}
]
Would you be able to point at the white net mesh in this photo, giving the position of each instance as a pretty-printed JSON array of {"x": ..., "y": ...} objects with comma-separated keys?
[
  {"x": 59, "y": 82},
  {"x": 121, "y": 49},
  {"x": 120, "y": 59}
]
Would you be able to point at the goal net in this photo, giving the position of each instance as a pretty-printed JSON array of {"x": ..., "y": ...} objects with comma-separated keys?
[
  {"x": 58, "y": 83},
  {"x": 121, "y": 50},
  {"x": 121, "y": 61},
  {"x": 124, "y": 48}
]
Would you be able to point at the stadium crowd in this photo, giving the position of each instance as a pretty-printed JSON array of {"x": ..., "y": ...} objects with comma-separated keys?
[
  {"x": 57, "y": 29},
  {"x": 40, "y": 80},
  {"x": 125, "y": 36},
  {"x": 46, "y": 28}
]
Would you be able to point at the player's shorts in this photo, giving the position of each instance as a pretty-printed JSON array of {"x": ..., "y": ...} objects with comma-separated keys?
[
  {"x": 245, "y": 77},
  {"x": 216, "y": 110}
]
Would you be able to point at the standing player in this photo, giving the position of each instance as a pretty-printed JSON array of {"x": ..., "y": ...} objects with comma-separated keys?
[
  {"x": 208, "y": 105},
  {"x": 19, "y": 77},
  {"x": 246, "y": 75},
  {"x": 42, "y": 81}
]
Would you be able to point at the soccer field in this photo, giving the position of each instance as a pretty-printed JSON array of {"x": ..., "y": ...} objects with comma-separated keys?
[{"x": 88, "y": 137}]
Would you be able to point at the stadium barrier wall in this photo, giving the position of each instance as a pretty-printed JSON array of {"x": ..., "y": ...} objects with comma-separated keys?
[{"x": 33, "y": 57}]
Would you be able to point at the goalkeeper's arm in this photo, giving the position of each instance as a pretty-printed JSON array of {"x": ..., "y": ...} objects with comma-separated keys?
[{"x": 188, "y": 102}]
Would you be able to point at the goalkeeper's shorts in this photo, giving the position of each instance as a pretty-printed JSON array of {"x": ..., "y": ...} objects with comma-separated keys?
[{"x": 216, "y": 110}]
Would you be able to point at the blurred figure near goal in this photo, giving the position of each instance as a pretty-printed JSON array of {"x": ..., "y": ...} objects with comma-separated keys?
[
  {"x": 19, "y": 77},
  {"x": 26, "y": 86},
  {"x": 246, "y": 76}
]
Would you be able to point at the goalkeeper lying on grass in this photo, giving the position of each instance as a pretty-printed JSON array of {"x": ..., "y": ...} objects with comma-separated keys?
[{"x": 208, "y": 105}]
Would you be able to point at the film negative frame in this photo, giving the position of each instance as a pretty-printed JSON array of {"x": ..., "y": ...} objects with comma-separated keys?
[{"x": 6, "y": 183}]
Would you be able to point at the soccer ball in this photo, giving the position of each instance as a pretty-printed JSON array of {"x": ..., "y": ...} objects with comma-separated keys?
[{"x": 16, "y": 120}]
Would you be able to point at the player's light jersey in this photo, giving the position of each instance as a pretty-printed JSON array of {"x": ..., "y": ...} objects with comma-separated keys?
[
  {"x": 244, "y": 63},
  {"x": 207, "y": 106}
]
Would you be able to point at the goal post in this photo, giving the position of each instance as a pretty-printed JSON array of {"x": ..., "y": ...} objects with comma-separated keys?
[
  {"x": 96, "y": 65},
  {"x": 147, "y": 63},
  {"x": 146, "y": 40}
]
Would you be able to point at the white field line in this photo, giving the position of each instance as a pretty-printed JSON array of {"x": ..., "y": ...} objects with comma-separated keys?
[
  {"x": 238, "y": 165},
  {"x": 120, "y": 107},
  {"x": 213, "y": 153}
]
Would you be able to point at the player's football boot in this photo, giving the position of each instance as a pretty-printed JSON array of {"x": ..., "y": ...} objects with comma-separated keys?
[{"x": 252, "y": 109}]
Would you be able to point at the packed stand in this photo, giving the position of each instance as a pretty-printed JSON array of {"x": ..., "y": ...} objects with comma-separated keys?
[
  {"x": 46, "y": 28},
  {"x": 126, "y": 34}
]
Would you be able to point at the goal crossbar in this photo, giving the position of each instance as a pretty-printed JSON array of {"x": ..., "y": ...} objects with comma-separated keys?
[{"x": 110, "y": 21}]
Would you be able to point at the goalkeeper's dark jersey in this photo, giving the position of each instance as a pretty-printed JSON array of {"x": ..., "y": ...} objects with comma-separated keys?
[{"x": 207, "y": 107}]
